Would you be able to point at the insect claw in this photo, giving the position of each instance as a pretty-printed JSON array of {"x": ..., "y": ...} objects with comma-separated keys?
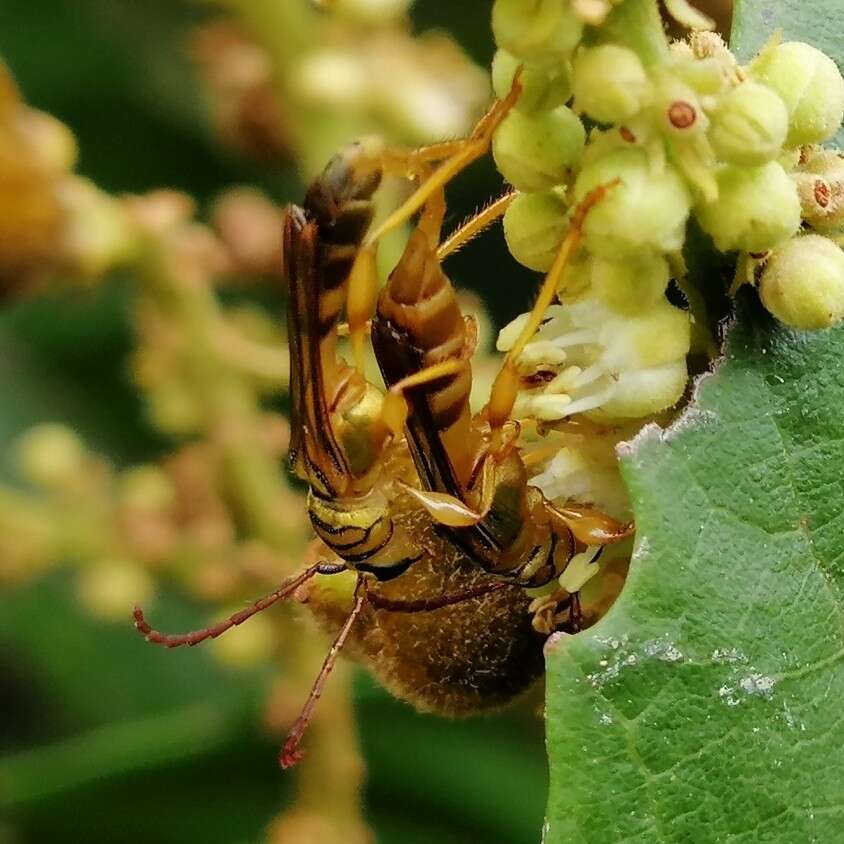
[
  {"x": 592, "y": 527},
  {"x": 443, "y": 508}
]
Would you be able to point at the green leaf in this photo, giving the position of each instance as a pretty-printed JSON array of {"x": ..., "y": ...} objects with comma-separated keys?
[
  {"x": 707, "y": 703},
  {"x": 706, "y": 706}
]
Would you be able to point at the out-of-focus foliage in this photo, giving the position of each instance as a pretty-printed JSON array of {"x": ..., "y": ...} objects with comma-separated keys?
[{"x": 158, "y": 469}]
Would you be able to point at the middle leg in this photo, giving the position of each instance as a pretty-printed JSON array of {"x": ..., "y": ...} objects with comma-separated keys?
[{"x": 453, "y": 157}]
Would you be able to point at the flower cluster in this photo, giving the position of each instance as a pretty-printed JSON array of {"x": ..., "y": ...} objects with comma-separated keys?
[
  {"x": 342, "y": 69},
  {"x": 51, "y": 219},
  {"x": 678, "y": 132}
]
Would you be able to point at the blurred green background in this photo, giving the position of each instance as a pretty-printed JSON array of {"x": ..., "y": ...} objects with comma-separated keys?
[{"x": 102, "y": 738}]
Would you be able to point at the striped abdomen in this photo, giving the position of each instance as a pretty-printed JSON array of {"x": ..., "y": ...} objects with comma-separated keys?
[
  {"x": 418, "y": 324},
  {"x": 339, "y": 202},
  {"x": 321, "y": 240}
]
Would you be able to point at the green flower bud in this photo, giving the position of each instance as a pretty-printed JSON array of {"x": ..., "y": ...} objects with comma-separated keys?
[
  {"x": 539, "y": 30},
  {"x": 248, "y": 645},
  {"x": 98, "y": 234},
  {"x": 749, "y": 125},
  {"x": 371, "y": 11},
  {"x": 534, "y": 226},
  {"x": 174, "y": 409},
  {"x": 647, "y": 211},
  {"x": 706, "y": 76},
  {"x": 756, "y": 209},
  {"x": 536, "y": 151},
  {"x": 610, "y": 84},
  {"x": 803, "y": 283},
  {"x": 332, "y": 78},
  {"x": 656, "y": 336},
  {"x": 811, "y": 86},
  {"x": 645, "y": 358},
  {"x": 604, "y": 142},
  {"x": 51, "y": 142},
  {"x": 632, "y": 285},
  {"x": 542, "y": 89},
  {"x": 146, "y": 489}
]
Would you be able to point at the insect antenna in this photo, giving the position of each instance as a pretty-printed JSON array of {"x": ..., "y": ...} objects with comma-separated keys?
[
  {"x": 475, "y": 225},
  {"x": 290, "y": 752},
  {"x": 287, "y": 588}
]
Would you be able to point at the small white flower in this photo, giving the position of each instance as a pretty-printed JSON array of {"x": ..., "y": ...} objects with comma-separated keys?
[{"x": 589, "y": 358}]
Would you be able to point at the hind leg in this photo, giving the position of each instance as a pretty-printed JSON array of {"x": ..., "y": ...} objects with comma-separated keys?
[{"x": 436, "y": 166}]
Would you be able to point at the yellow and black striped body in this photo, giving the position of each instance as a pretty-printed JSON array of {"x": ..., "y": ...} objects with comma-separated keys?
[
  {"x": 333, "y": 408},
  {"x": 418, "y": 323},
  {"x": 321, "y": 240},
  {"x": 360, "y": 531}
]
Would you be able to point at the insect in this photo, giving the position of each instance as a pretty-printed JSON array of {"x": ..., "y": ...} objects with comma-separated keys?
[{"x": 408, "y": 478}]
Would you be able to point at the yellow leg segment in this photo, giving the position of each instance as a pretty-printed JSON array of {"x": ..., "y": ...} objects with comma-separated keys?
[
  {"x": 394, "y": 406},
  {"x": 475, "y": 225},
  {"x": 360, "y": 301},
  {"x": 455, "y": 156},
  {"x": 464, "y": 152},
  {"x": 505, "y": 388}
]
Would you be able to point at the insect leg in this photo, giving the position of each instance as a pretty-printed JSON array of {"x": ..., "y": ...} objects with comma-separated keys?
[
  {"x": 190, "y": 639},
  {"x": 472, "y": 227},
  {"x": 363, "y": 279},
  {"x": 290, "y": 753},
  {"x": 575, "y": 613},
  {"x": 465, "y": 152},
  {"x": 360, "y": 300},
  {"x": 394, "y": 407},
  {"x": 506, "y": 385},
  {"x": 455, "y": 156}
]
